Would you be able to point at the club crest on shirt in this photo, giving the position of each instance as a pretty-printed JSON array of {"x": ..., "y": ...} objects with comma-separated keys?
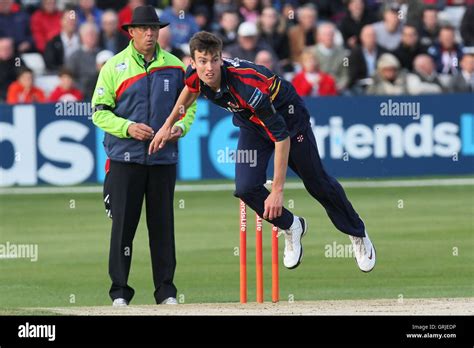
[{"x": 121, "y": 66}]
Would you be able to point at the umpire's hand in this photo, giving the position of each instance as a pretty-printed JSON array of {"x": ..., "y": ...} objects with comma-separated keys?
[{"x": 140, "y": 131}]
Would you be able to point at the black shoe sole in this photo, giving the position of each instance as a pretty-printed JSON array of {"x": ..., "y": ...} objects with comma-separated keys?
[{"x": 305, "y": 228}]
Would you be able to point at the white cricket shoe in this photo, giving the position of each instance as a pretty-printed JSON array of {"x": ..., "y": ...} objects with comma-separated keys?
[
  {"x": 293, "y": 247},
  {"x": 364, "y": 252},
  {"x": 119, "y": 302},
  {"x": 170, "y": 301}
]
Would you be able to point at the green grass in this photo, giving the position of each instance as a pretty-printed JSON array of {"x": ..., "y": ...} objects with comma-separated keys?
[{"x": 414, "y": 249}]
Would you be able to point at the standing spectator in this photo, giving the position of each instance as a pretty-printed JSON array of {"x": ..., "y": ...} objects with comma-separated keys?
[
  {"x": 111, "y": 38},
  {"x": 331, "y": 58},
  {"x": 424, "y": 70},
  {"x": 463, "y": 81},
  {"x": 65, "y": 91},
  {"x": 389, "y": 31},
  {"x": 273, "y": 32},
  {"x": 61, "y": 47},
  {"x": 88, "y": 12},
  {"x": 446, "y": 52},
  {"x": 125, "y": 14},
  {"x": 356, "y": 18},
  {"x": 82, "y": 62},
  {"x": 9, "y": 65},
  {"x": 304, "y": 33},
  {"x": 362, "y": 60},
  {"x": 45, "y": 24},
  {"x": 429, "y": 29},
  {"x": 228, "y": 24},
  {"x": 310, "y": 81},
  {"x": 409, "y": 47},
  {"x": 15, "y": 25},
  {"x": 467, "y": 26},
  {"x": 182, "y": 22},
  {"x": 23, "y": 91},
  {"x": 250, "y": 10}
]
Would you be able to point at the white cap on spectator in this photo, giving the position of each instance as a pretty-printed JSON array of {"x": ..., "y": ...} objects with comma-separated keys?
[
  {"x": 247, "y": 29},
  {"x": 103, "y": 56},
  {"x": 388, "y": 60}
]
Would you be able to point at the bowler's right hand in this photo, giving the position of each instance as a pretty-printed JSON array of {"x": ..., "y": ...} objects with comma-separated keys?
[
  {"x": 160, "y": 139},
  {"x": 140, "y": 131}
]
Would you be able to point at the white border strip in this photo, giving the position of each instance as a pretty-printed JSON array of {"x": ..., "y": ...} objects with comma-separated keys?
[{"x": 230, "y": 187}]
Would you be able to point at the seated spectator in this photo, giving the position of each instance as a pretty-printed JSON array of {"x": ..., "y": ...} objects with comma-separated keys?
[
  {"x": 463, "y": 81},
  {"x": 17, "y": 26},
  {"x": 429, "y": 29},
  {"x": 310, "y": 81},
  {"x": 329, "y": 10},
  {"x": 66, "y": 91},
  {"x": 61, "y": 47},
  {"x": 356, "y": 18},
  {"x": 303, "y": 34},
  {"x": 389, "y": 78},
  {"x": 83, "y": 62},
  {"x": 221, "y": 6},
  {"x": 467, "y": 26},
  {"x": 9, "y": 65},
  {"x": 182, "y": 23},
  {"x": 164, "y": 40},
  {"x": 273, "y": 32},
  {"x": 409, "y": 48},
  {"x": 331, "y": 57},
  {"x": 389, "y": 31},
  {"x": 111, "y": 37},
  {"x": 363, "y": 59},
  {"x": 228, "y": 24},
  {"x": 248, "y": 43},
  {"x": 125, "y": 14},
  {"x": 45, "y": 24},
  {"x": 265, "y": 58},
  {"x": 22, "y": 91},
  {"x": 250, "y": 10},
  {"x": 446, "y": 52},
  {"x": 202, "y": 16},
  {"x": 88, "y": 12},
  {"x": 426, "y": 79}
]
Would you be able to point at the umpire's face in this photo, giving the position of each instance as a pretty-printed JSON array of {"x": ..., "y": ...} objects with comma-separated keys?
[{"x": 144, "y": 37}]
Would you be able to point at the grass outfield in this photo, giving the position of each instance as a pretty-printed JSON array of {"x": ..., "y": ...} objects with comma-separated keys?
[{"x": 424, "y": 249}]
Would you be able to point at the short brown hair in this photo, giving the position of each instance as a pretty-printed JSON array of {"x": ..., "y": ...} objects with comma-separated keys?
[{"x": 206, "y": 42}]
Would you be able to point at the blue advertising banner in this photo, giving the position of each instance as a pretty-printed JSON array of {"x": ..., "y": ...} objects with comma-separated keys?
[{"x": 357, "y": 137}]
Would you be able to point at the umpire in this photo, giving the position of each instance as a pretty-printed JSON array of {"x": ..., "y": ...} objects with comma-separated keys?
[{"x": 136, "y": 91}]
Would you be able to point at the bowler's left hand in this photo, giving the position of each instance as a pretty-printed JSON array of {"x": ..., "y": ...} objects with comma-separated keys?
[{"x": 273, "y": 205}]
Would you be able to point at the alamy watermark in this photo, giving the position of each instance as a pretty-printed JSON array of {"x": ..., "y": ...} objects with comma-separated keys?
[
  {"x": 228, "y": 155},
  {"x": 336, "y": 250},
  {"x": 73, "y": 109},
  {"x": 403, "y": 109},
  {"x": 19, "y": 251}
]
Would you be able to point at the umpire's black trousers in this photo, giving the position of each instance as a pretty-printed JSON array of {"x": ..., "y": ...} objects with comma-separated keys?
[{"x": 128, "y": 184}]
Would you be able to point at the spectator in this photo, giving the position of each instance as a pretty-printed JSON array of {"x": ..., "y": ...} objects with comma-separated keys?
[
  {"x": 248, "y": 43},
  {"x": 463, "y": 81},
  {"x": 362, "y": 60},
  {"x": 110, "y": 37},
  {"x": 273, "y": 32},
  {"x": 65, "y": 91},
  {"x": 88, "y": 12},
  {"x": 265, "y": 58},
  {"x": 331, "y": 58},
  {"x": 328, "y": 10},
  {"x": 467, "y": 26},
  {"x": 202, "y": 16},
  {"x": 425, "y": 75},
  {"x": 83, "y": 62},
  {"x": 9, "y": 65},
  {"x": 23, "y": 91},
  {"x": 61, "y": 47},
  {"x": 304, "y": 33},
  {"x": 389, "y": 79},
  {"x": 389, "y": 31},
  {"x": 429, "y": 29},
  {"x": 250, "y": 10},
  {"x": 228, "y": 24},
  {"x": 182, "y": 23},
  {"x": 125, "y": 14},
  {"x": 310, "y": 81},
  {"x": 15, "y": 25},
  {"x": 221, "y": 6},
  {"x": 409, "y": 47},
  {"x": 45, "y": 24},
  {"x": 356, "y": 18},
  {"x": 446, "y": 52},
  {"x": 164, "y": 40}
]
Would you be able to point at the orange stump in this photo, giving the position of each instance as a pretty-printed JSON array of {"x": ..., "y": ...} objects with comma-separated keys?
[
  {"x": 275, "y": 277},
  {"x": 258, "y": 258}
]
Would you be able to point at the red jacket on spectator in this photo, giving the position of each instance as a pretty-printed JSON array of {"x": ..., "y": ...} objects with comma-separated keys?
[
  {"x": 17, "y": 95},
  {"x": 62, "y": 95},
  {"x": 327, "y": 85},
  {"x": 45, "y": 26}
]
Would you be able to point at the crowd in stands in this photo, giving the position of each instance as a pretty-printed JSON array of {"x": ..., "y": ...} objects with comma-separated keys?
[{"x": 52, "y": 50}]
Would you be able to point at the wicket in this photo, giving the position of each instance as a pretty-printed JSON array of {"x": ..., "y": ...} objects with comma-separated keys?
[{"x": 258, "y": 257}]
